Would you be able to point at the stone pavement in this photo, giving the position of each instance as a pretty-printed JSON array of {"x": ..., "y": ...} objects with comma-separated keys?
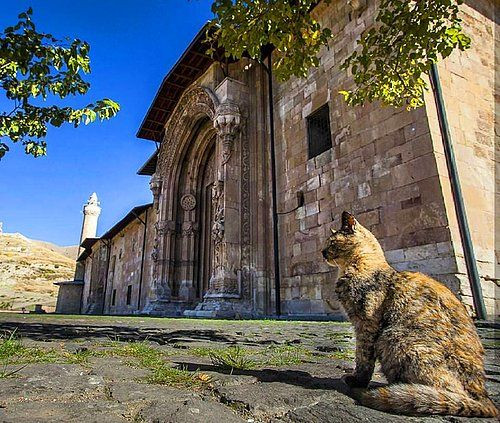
[{"x": 87, "y": 368}]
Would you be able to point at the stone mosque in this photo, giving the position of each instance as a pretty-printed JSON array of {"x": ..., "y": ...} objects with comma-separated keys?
[{"x": 242, "y": 204}]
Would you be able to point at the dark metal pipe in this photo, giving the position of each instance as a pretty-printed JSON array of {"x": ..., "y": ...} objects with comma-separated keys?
[
  {"x": 145, "y": 223},
  {"x": 458, "y": 201},
  {"x": 274, "y": 195}
]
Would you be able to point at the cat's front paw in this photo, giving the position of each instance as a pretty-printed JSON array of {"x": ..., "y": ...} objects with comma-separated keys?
[{"x": 354, "y": 381}]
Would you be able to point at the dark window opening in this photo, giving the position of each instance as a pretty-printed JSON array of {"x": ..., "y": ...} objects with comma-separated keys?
[
  {"x": 113, "y": 297},
  {"x": 129, "y": 294},
  {"x": 319, "y": 136}
]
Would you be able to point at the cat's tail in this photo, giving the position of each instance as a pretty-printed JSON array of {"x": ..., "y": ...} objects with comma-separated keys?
[{"x": 416, "y": 399}]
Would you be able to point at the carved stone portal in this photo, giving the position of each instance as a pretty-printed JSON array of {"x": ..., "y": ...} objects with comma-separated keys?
[{"x": 199, "y": 221}]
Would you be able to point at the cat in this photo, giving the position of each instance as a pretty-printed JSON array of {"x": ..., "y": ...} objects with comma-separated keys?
[{"x": 413, "y": 325}]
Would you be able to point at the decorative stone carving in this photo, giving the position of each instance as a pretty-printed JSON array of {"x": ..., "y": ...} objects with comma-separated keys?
[
  {"x": 245, "y": 218},
  {"x": 188, "y": 202},
  {"x": 154, "y": 252},
  {"x": 189, "y": 229},
  {"x": 227, "y": 123},
  {"x": 155, "y": 185},
  {"x": 218, "y": 223},
  {"x": 162, "y": 229},
  {"x": 198, "y": 101}
]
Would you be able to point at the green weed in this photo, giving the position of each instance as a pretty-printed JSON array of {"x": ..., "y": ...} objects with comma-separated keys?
[
  {"x": 232, "y": 358},
  {"x": 166, "y": 375},
  {"x": 12, "y": 351},
  {"x": 285, "y": 355}
]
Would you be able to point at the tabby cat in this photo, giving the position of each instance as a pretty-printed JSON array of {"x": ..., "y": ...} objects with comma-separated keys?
[{"x": 419, "y": 331}]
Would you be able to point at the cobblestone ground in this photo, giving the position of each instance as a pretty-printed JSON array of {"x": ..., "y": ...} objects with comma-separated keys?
[{"x": 118, "y": 369}]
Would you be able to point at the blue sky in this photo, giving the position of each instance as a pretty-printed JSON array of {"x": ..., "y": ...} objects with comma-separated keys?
[{"x": 133, "y": 45}]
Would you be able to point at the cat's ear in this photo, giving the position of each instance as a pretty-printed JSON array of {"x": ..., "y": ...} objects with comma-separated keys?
[{"x": 348, "y": 223}]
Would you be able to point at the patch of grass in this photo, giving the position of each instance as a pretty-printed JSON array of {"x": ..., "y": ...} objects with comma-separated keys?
[
  {"x": 232, "y": 358},
  {"x": 240, "y": 358},
  {"x": 347, "y": 354},
  {"x": 166, "y": 375},
  {"x": 141, "y": 351},
  {"x": 142, "y": 354},
  {"x": 39, "y": 355},
  {"x": 285, "y": 355},
  {"x": 201, "y": 351},
  {"x": 341, "y": 337},
  {"x": 81, "y": 356},
  {"x": 12, "y": 351},
  {"x": 10, "y": 347}
]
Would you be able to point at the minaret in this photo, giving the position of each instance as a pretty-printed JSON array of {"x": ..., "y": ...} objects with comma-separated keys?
[
  {"x": 70, "y": 294},
  {"x": 91, "y": 212}
]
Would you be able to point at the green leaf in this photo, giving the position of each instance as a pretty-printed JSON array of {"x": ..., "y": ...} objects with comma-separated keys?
[{"x": 34, "y": 64}]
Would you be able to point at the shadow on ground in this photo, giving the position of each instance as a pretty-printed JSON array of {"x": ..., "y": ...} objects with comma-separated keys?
[
  {"x": 48, "y": 332},
  {"x": 290, "y": 377}
]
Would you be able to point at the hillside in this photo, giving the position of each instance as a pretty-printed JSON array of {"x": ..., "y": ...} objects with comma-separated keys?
[
  {"x": 70, "y": 251},
  {"x": 28, "y": 270}
]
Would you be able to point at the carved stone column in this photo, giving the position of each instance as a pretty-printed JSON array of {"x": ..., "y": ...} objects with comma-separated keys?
[
  {"x": 186, "y": 270},
  {"x": 224, "y": 280},
  {"x": 158, "y": 303}
]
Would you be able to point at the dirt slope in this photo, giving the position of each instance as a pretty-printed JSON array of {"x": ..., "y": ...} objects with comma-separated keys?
[{"x": 28, "y": 270}]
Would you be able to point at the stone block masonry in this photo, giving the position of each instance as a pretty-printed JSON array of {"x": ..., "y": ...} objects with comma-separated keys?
[{"x": 209, "y": 240}]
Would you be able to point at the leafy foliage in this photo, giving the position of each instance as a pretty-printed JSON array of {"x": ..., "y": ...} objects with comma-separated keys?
[
  {"x": 36, "y": 66},
  {"x": 408, "y": 38},
  {"x": 393, "y": 55},
  {"x": 244, "y": 26}
]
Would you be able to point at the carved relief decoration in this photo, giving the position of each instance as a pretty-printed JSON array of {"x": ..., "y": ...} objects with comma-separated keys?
[
  {"x": 218, "y": 207},
  {"x": 162, "y": 229},
  {"x": 245, "y": 217},
  {"x": 218, "y": 223},
  {"x": 196, "y": 102},
  {"x": 188, "y": 202},
  {"x": 227, "y": 123},
  {"x": 189, "y": 229},
  {"x": 155, "y": 185}
]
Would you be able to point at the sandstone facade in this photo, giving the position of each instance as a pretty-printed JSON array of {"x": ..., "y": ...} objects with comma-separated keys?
[{"x": 209, "y": 244}]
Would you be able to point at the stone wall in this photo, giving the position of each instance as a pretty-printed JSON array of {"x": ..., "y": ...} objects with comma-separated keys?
[
  {"x": 386, "y": 166},
  {"x": 95, "y": 280},
  {"x": 383, "y": 167},
  {"x": 69, "y": 297},
  {"x": 125, "y": 269},
  {"x": 147, "y": 288},
  {"x": 115, "y": 264},
  {"x": 469, "y": 80},
  {"x": 87, "y": 265}
]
